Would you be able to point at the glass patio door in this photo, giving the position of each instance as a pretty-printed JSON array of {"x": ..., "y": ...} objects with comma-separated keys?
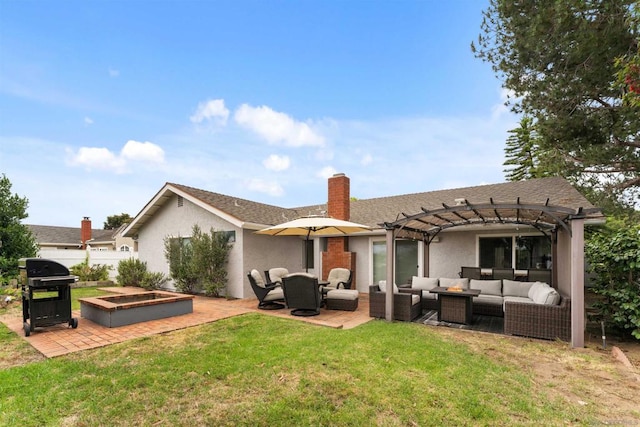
[{"x": 406, "y": 262}]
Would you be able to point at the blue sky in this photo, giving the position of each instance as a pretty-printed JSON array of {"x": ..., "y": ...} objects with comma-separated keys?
[{"x": 101, "y": 102}]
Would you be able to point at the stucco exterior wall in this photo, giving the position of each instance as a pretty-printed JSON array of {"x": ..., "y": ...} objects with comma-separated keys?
[
  {"x": 265, "y": 252},
  {"x": 177, "y": 221},
  {"x": 361, "y": 247},
  {"x": 454, "y": 250}
]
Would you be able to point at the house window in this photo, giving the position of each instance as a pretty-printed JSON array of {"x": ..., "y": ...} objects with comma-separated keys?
[
  {"x": 519, "y": 252},
  {"x": 125, "y": 248},
  {"x": 533, "y": 252},
  {"x": 496, "y": 252},
  {"x": 231, "y": 235}
]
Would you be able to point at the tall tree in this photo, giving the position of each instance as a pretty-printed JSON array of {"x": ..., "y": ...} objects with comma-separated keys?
[
  {"x": 115, "y": 221},
  {"x": 559, "y": 58},
  {"x": 523, "y": 152},
  {"x": 16, "y": 240}
]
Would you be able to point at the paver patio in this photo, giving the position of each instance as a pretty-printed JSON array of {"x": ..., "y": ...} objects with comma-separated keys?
[{"x": 58, "y": 340}]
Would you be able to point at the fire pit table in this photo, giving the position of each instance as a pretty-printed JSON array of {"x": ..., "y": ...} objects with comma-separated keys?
[{"x": 455, "y": 304}]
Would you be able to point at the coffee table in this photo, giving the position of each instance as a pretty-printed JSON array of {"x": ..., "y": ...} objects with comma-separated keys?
[{"x": 455, "y": 306}]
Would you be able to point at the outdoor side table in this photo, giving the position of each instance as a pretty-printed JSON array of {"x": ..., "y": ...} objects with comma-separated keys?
[{"x": 455, "y": 306}]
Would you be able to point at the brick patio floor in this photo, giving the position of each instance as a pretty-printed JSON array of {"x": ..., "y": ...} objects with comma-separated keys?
[{"x": 58, "y": 340}]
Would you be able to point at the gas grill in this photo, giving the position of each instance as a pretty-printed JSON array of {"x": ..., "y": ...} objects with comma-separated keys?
[{"x": 46, "y": 294}]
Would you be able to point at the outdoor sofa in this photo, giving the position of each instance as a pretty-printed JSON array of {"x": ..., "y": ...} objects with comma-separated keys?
[{"x": 532, "y": 309}]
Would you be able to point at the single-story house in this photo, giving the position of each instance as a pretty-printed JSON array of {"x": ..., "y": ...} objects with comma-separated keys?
[
  {"x": 524, "y": 224},
  {"x": 83, "y": 237}
]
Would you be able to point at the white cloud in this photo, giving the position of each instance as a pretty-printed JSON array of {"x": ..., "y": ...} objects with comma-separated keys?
[
  {"x": 95, "y": 158},
  {"x": 498, "y": 110},
  {"x": 277, "y": 163},
  {"x": 326, "y": 172},
  {"x": 142, "y": 151},
  {"x": 367, "y": 159},
  {"x": 277, "y": 127},
  {"x": 113, "y": 72},
  {"x": 261, "y": 186},
  {"x": 211, "y": 110},
  {"x": 88, "y": 121}
]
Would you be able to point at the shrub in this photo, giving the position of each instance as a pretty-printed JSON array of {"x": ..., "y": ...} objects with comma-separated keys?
[
  {"x": 90, "y": 273},
  {"x": 154, "y": 280},
  {"x": 199, "y": 262},
  {"x": 614, "y": 257},
  {"x": 131, "y": 272}
]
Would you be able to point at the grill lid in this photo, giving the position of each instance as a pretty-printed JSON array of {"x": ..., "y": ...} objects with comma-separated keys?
[{"x": 39, "y": 267}]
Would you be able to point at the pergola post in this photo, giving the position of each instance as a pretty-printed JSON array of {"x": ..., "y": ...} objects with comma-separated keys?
[
  {"x": 389, "y": 293},
  {"x": 577, "y": 283}
]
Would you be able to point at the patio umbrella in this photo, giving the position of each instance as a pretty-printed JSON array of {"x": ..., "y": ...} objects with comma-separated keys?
[{"x": 314, "y": 226}]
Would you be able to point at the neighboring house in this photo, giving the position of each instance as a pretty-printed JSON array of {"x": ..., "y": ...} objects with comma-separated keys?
[
  {"x": 74, "y": 245},
  {"x": 176, "y": 208},
  {"x": 84, "y": 237}
]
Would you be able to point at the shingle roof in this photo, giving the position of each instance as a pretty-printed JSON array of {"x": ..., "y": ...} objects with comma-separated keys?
[
  {"x": 50, "y": 234},
  {"x": 536, "y": 191},
  {"x": 374, "y": 211}
]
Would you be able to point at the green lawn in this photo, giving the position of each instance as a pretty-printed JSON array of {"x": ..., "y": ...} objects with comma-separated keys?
[
  {"x": 87, "y": 292},
  {"x": 257, "y": 370}
]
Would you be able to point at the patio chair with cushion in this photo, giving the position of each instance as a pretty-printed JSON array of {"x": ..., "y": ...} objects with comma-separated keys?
[
  {"x": 470, "y": 273},
  {"x": 269, "y": 294},
  {"x": 539, "y": 275},
  {"x": 338, "y": 278},
  {"x": 503, "y": 273},
  {"x": 275, "y": 275},
  {"x": 302, "y": 294},
  {"x": 407, "y": 302}
]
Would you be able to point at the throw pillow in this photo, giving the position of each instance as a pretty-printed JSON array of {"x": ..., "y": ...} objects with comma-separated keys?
[
  {"x": 424, "y": 283},
  {"x": 487, "y": 287}
]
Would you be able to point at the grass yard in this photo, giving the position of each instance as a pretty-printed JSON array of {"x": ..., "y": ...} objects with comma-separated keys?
[{"x": 257, "y": 370}]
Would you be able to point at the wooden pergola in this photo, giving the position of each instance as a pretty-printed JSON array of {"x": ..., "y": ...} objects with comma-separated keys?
[{"x": 564, "y": 225}]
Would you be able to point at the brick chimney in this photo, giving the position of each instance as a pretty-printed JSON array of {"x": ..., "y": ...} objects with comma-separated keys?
[
  {"x": 339, "y": 207},
  {"x": 339, "y": 204},
  {"x": 85, "y": 231}
]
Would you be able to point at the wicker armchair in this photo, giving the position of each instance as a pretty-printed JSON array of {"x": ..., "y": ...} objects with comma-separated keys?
[
  {"x": 538, "y": 320},
  {"x": 302, "y": 294},
  {"x": 338, "y": 278},
  {"x": 270, "y": 295},
  {"x": 403, "y": 307}
]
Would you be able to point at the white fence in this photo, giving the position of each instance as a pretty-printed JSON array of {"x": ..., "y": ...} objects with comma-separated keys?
[{"x": 71, "y": 257}]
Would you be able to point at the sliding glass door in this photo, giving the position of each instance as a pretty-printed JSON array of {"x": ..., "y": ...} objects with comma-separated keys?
[{"x": 406, "y": 262}]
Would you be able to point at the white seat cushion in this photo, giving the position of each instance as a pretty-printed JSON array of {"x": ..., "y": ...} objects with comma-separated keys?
[
  {"x": 382, "y": 284},
  {"x": 276, "y": 274},
  {"x": 429, "y": 295},
  {"x": 257, "y": 277},
  {"x": 424, "y": 283},
  {"x": 487, "y": 287},
  {"x": 344, "y": 294},
  {"x": 488, "y": 299},
  {"x": 337, "y": 275},
  {"x": 415, "y": 299},
  {"x": 274, "y": 294},
  {"x": 541, "y": 293},
  {"x": 514, "y": 288}
]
